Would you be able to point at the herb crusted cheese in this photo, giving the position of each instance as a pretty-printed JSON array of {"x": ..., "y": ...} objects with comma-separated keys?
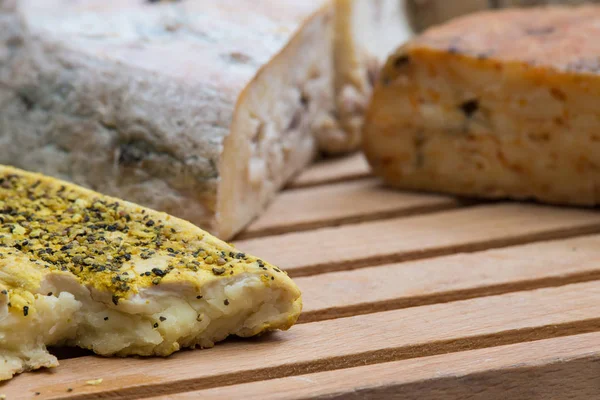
[
  {"x": 113, "y": 258},
  {"x": 98, "y": 239}
]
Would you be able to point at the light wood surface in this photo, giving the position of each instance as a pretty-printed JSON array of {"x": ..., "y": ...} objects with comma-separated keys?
[
  {"x": 560, "y": 368},
  {"x": 334, "y": 170},
  {"x": 450, "y": 278},
  {"x": 407, "y": 296},
  {"x": 335, "y": 344},
  {"x": 401, "y": 239},
  {"x": 341, "y": 203}
]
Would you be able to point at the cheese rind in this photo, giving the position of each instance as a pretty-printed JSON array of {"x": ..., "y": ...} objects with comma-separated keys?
[
  {"x": 81, "y": 269},
  {"x": 136, "y": 99},
  {"x": 498, "y": 104},
  {"x": 201, "y": 109}
]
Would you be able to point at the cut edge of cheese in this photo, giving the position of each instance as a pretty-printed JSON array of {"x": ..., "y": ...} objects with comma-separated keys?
[{"x": 251, "y": 172}]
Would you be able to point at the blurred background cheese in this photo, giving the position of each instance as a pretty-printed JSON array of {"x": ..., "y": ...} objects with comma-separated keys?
[
  {"x": 426, "y": 13},
  {"x": 496, "y": 104}
]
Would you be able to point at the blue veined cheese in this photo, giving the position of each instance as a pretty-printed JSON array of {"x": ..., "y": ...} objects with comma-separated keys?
[
  {"x": 82, "y": 269},
  {"x": 203, "y": 109}
]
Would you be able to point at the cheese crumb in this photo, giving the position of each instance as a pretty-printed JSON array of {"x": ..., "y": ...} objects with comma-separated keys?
[{"x": 94, "y": 382}]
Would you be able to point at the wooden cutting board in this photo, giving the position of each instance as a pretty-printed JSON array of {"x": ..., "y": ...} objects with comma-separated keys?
[{"x": 407, "y": 296}]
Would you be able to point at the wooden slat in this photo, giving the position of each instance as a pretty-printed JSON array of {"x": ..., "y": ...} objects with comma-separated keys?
[
  {"x": 402, "y": 239},
  {"x": 561, "y": 368},
  {"x": 333, "y": 170},
  {"x": 341, "y": 203},
  {"x": 450, "y": 278},
  {"x": 444, "y": 279},
  {"x": 334, "y": 344}
]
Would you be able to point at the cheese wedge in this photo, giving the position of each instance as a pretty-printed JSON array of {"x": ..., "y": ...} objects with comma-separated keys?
[
  {"x": 82, "y": 269},
  {"x": 203, "y": 109},
  {"x": 497, "y": 104}
]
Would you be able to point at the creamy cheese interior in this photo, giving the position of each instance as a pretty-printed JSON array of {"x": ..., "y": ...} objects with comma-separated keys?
[
  {"x": 81, "y": 269},
  {"x": 155, "y": 322},
  {"x": 273, "y": 132}
]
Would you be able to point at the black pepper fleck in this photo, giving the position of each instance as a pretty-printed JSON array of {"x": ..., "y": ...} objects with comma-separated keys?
[{"x": 470, "y": 107}]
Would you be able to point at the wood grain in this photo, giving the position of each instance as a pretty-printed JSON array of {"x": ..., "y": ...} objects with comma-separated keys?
[
  {"x": 342, "y": 203},
  {"x": 402, "y": 239},
  {"x": 561, "y": 368},
  {"x": 444, "y": 279},
  {"x": 334, "y": 344},
  {"x": 333, "y": 170},
  {"x": 450, "y": 278}
]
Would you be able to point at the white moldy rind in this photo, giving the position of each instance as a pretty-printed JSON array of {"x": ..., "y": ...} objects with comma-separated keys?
[
  {"x": 201, "y": 109},
  {"x": 136, "y": 100}
]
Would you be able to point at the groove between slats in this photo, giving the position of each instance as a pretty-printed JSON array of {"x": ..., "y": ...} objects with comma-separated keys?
[
  {"x": 434, "y": 281},
  {"x": 445, "y": 279},
  {"x": 335, "y": 344},
  {"x": 557, "y": 368},
  {"x": 418, "y": 301},
  {"x": 469, "y": 229},
  {"x": 375, "y": 216},
  {"x": 395, "y": 304},
  {"x": 333, "y": 170},
  {"x": 343, "y": 203},
  {"x": 450, "y": 278},
  {"x": 444, "y": 251},
  {"x": 360, "y": 359}
]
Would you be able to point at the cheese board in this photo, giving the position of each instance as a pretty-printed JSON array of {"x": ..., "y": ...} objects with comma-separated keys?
[{"x": 406, "y": 295}]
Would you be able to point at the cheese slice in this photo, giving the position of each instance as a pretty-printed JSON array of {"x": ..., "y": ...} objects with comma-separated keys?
[
  {"x": 497, "y": 104},
  {"x": 203, "y": 109},
  {"x": 78, "y": 268}
]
